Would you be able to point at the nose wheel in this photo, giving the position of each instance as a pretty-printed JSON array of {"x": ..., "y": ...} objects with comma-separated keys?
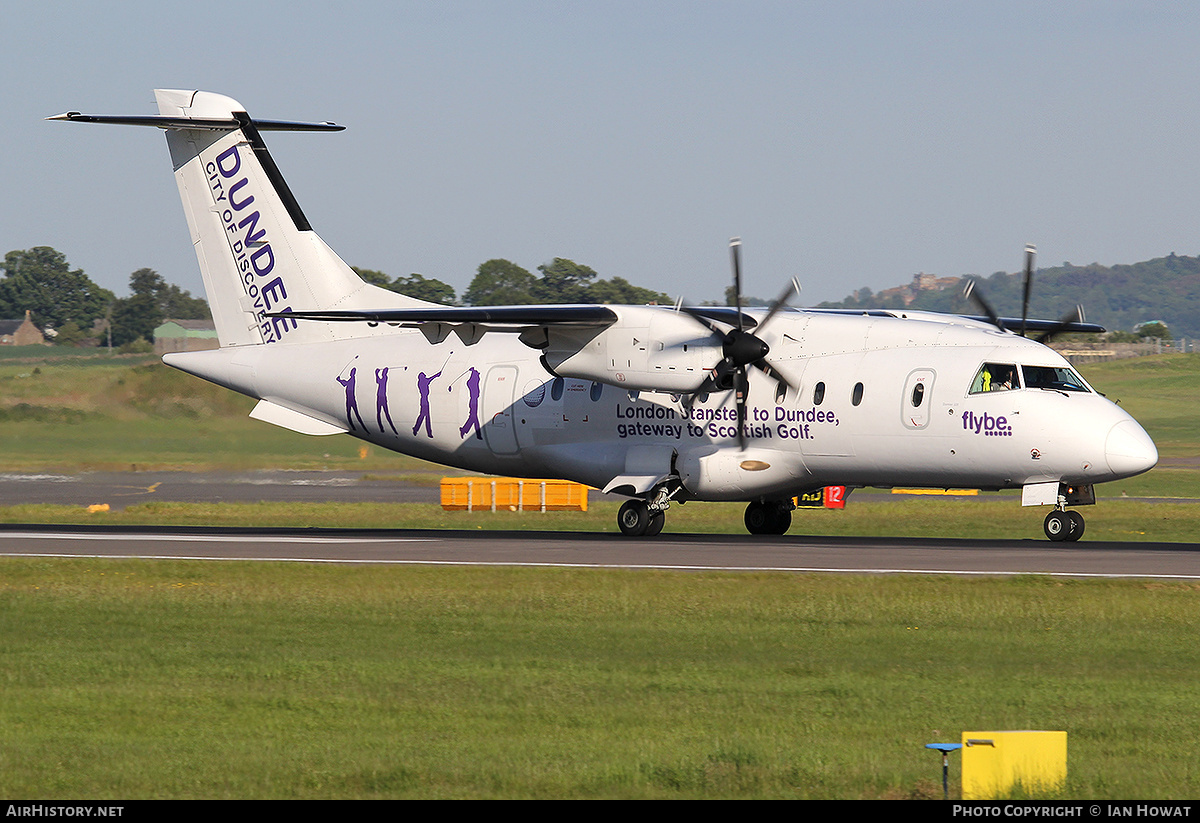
[{"x": 1064, "y": 526}]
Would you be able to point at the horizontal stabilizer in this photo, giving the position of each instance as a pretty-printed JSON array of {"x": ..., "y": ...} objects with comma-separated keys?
[{"x": 194, "y": 123}]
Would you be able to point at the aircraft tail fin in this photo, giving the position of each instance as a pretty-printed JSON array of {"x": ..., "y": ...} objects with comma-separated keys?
[{"x": 258, "y": 254}]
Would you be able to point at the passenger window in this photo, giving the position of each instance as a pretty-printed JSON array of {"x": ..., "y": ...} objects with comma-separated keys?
[
  {"x": 995, "y": 377},
  {"x": 918, "y": 395},
  {"x": 818, "y": 394},
  {"x": 856, "y": 397}
]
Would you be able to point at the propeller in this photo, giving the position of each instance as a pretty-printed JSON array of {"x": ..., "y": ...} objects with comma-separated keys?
[
  {"x": 739, "y": 347},
  {"x": 1064, "y": 324}
]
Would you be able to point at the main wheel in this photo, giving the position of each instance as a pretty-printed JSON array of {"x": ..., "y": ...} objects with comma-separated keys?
[
  {"x": 655, "y": 526},
  {"x": 757, "y": 518},
  {"x": 1077, "y": 525},
  {"x": 782, "y": 521},
  {"x": 634, "y": 518},
  {"x": 1057, "y": 526},
  {"x": 767, "y": 518}
]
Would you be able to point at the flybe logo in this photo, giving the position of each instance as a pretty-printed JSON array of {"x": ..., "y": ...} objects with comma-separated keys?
[
  {"x": 988, "y": 425},
  {"x": 249, "y": 243}
]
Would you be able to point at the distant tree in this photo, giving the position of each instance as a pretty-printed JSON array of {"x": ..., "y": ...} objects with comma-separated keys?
[
  {"x": 1154, "y": 329},
  {"x": 40, "y": 280},
  {"x": 153, "y": 301},
  {"x": 619, "y": 291},
  {"x": 425, "y": 288},
  {"x": 747, "y": 300},
  {"x": 500, "y": 282},
  {"x": 415, "y": 285},
  {"x": 563, "y": 281},
  {"x": 375, "y": 278}
]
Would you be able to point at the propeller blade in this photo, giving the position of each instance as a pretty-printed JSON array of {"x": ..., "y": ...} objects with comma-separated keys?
[
  {"x": 735, "y": 253},
  {"x": 773, "y": 373},
  {"x": 708, "y": 323},
  {"x": 975, "y": 295},
  {"x": 792, "y": 289},
  {"x": 741, "y": 389},
  {"x": 1030, "y": 253}
]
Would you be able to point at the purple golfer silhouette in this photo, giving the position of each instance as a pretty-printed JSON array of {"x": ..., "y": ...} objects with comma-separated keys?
[{"x": 423, "y": 388}]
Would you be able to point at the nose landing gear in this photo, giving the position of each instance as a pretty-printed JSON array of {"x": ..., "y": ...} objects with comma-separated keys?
[{"x": 1064, "y": 526}]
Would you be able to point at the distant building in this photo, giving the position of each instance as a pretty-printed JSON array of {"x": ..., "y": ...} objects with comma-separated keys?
[
  {"x": 20, "y": 332},
  {"x": 920, "y": 282},
  {"x": 185, "y": 335}
]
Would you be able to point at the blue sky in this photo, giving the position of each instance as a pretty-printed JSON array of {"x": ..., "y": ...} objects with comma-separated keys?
[{"x": 848, "y": 144}]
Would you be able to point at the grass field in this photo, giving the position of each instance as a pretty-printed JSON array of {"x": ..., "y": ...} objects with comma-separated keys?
[
  {"x": 129, "y": 679},
  {"x": 139, "y": 679},
  {"x": 72, "y": 411},
  {"x": 971, "y": 518}
]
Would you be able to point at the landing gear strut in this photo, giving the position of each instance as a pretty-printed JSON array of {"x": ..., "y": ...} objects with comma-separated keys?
[
  {"x": 768, "y": 517},
  {"x": 1062, "y": 525}
]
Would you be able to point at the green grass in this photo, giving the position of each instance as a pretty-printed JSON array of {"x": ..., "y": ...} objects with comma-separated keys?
[
  {"x": 1115, "y": 520},
  {"x": 167, "y": 679},
  {"x": 1160, "y": 392},
  {"x": 72, "y": 410},
  {"x": 144, "y": 679}
]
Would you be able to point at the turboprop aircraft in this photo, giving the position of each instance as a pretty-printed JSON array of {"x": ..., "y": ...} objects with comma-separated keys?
[{"x": 658, "y": 403}]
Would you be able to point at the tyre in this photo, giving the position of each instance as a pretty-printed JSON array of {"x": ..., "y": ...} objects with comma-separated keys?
[
  {"x": 1076, "y": 524},
  {"x": 634, "y": 518},
  {"x": 782, "y": 521},
  {"x": 1057, "y": 526},
  {"x": 757, "y": 518}
]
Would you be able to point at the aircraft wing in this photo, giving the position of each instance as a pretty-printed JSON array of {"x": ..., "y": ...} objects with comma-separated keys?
[
  {"x": 510, "y": 317},
  {"x": 1009, "y": 323},
  {"x": 504, "y": 318},
  {"x": 1032, "y": 324}
]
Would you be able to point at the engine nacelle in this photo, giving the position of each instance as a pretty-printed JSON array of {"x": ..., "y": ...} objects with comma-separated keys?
[
  {"x": 712, "y": 473},
  {"x": 648, "y": 348}
]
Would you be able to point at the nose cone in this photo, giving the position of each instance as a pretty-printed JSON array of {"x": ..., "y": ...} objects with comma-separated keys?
[{"x": 1129, "y": 450}]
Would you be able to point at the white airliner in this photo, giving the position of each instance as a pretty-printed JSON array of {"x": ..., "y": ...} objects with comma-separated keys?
[{"x": 661, "y": 404}]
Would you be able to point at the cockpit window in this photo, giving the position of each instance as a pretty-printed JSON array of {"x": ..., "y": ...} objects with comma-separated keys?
[
  {"x": 995, "y": 377},
  {"x": 1058, "y": 378}
]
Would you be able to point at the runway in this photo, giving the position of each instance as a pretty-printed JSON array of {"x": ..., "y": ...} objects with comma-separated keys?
[
  {"x": 683, "y": 552},
  {"x": 789, "y": 553}
]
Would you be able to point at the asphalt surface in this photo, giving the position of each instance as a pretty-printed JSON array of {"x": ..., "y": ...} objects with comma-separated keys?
[
  {"x": 791, "y": 552},
  {"x": 121, "y": 489},
  {"x": 668, "y": 551}
]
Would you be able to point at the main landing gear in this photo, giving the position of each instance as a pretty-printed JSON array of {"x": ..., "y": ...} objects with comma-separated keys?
[
  {"x": 637, "y": 519},
  {"x": 769, "y": 516},
  {"x": 645, "y": 518},
  {"x": 1062, "y": 525}
]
